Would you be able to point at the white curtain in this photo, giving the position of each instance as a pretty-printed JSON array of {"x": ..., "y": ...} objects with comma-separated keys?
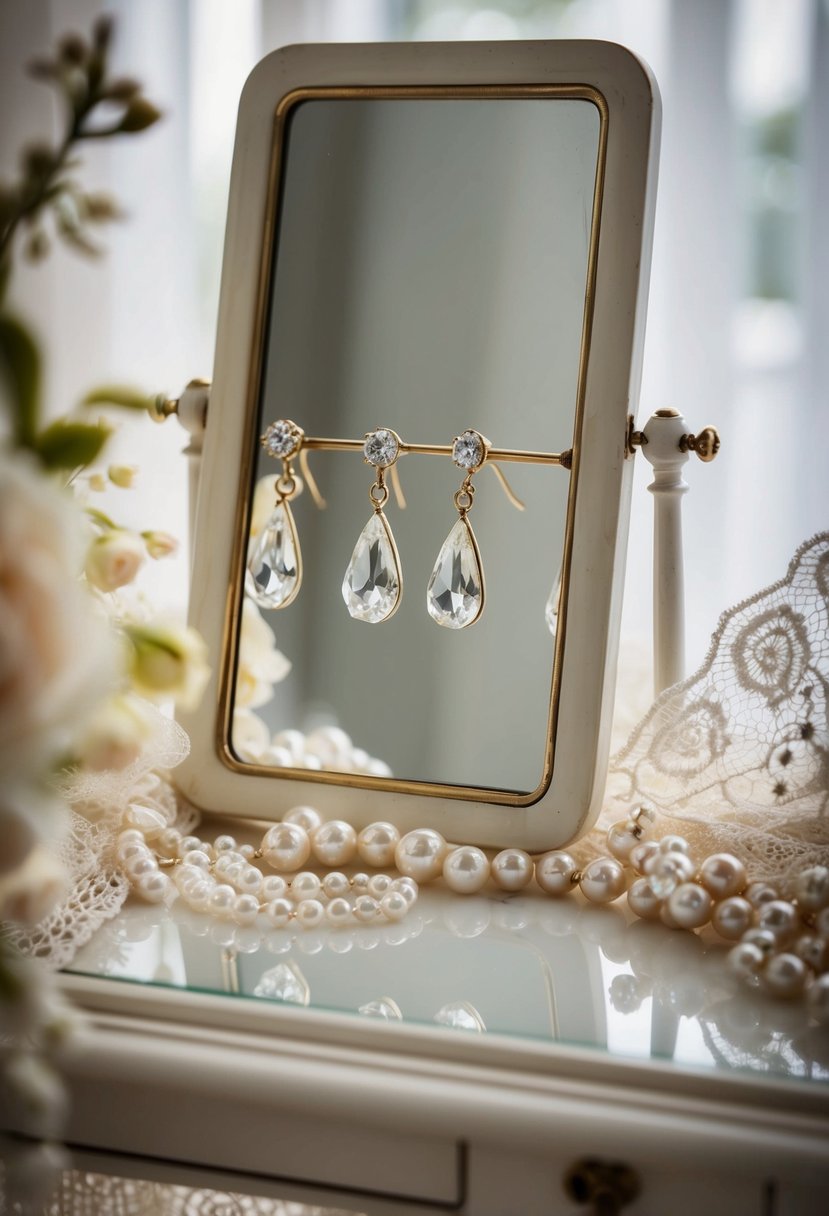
[{"x": 755, "y": 365}]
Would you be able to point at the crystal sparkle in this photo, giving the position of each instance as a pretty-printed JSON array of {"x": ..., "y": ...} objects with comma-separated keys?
[
  {"x": 455, "y": 595},
  {"x": 371, "y": 587},
  {"x": 381, "y": 448},
  {"x": 272, "y": 577},
  {"x": 282, "y": 438},
  {"x": 468, "y": 450}
]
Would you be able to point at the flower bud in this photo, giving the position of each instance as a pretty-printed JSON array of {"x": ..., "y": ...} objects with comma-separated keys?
[
  {"x": 160, "y": 544},
  {"x": 114, "y": 559},
  {"x": 168, "y": 661},
  {"x": 122, "y": 475}
]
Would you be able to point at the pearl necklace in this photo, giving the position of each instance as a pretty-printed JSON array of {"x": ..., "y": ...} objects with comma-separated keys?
[{"x": 782, "y": 944}]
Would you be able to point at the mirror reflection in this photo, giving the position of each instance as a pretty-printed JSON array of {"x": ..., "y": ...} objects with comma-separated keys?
[{"x": 428, "y": 283}]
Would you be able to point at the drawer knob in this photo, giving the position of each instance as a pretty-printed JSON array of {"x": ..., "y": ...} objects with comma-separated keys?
[{"x": 607, "y": 1186}]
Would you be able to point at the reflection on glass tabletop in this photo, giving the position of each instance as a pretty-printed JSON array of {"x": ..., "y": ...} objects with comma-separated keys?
[{"x": 518, "y": 965}]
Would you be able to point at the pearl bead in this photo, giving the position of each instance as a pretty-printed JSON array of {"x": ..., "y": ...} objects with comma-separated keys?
[
  {"x": 732, "y": 917},
  {"x": 722, "y": 875},
  {"x": 746, "y": 960},
  {"x": 811, "y": 889},
  {"x": 466, "y": 870},
  {"x": 146, "y": 819},
  {"x": 360, "y": 881},
  {"x": 131, "y": 835},
  {"x": 305, "y": 886},
  {"x": 379, "y": 884},
  {"x": 690, "y": 905},
  {"x": 247, "y": 851},
  {"x": 512, "y": 869},
  {"x": 132, "y": 850},
  {"x": 376, "y": 844},
  {"x": 198, "y": 895},
  {"x": 779, "y": 917},
  {"x": 765, "y": 941},
  {"x": 335, "y": 843},
  {"x": 306, "y": 817},
  {"x": 674, "y": 844},
  {"x": 245, "y": 909},
  {"x": 758, "y": 893},
  {"x": 222, "y": 844},
  {"x": 278, "y": 912},
  {"x": 310, "y": 912},
  {"x": 622, "y": 838},
  {"x": 784, "y": 975},
  {"x": 187, "y": 844},
  {"x": 817, "y": 999},
  {"x": 554, "y": 873},
  {"x": 185, "y": 873},
  {"x": 232, "y": 873},
  {"x": 338, "y": 911},
  {"x": 643, "y": 901},
  {"x": 250, "y": 881},
  {"x": 644, "y": 816},
  {"x": 822, "y": 923},
  {"x": 642, "y": 854},
  {"x": 813, "y": 950},
  {"x": 169, "y": 841},
  {"x": 197, "y": 859},
  {"x": 222, "y": 900},
  {"x": 143, "y": 864},
  {"x": 274, "y": 886},
  {"x": 365, "y": 908},
  {"x": 155, "y": 888},
  {"x": 408, "y": 887},
  {"x": 286, "y": 847},
  {"x": 667, "y": 870},
  {"x": 394, "y": 905},
  {"x": 335, "y": 884},
  {"x": 419, "y": 854},
  {"x": 602, "y": 880}
]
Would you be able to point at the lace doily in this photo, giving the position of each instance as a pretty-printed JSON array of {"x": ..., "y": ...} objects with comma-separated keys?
[
  {"x": 736, "y": 757},
  {"x": 97, "y": 887}
]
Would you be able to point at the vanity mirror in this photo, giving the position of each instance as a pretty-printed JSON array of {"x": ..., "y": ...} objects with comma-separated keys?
[{"x": 431, "y": 315}]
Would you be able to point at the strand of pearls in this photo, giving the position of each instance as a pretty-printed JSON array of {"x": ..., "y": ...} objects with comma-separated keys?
[{"x": 782, "y": 944}]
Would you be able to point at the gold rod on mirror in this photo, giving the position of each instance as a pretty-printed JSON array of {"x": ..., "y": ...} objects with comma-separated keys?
[{"x": 441, "y": 449}]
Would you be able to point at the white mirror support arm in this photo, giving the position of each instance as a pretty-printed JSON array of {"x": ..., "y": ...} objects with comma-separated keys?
[
  {"x": 191, "y": 410},
  {"x": 666, "y": 443}
]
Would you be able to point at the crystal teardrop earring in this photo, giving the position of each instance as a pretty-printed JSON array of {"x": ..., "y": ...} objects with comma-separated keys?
[
  {"x": 274, "y": 570},
  {"x": 373, "y": 583},
  {"x": 455, "y": 595}
]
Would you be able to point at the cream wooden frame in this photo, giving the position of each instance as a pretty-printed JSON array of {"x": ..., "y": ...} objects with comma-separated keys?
[{"x": 598, "y": 512}]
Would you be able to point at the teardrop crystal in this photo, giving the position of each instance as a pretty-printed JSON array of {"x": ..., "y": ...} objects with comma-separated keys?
[
  {"x": 274, "y": 570},
  {"x": 284, "y": 982},
  {"x": 551, "y": 609},
  {"x": 371, "y": 587},
  {"x": 455, "y": 595}
]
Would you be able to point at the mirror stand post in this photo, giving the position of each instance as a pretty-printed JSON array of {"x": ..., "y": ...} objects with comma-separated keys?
[
  {"x": 665, "y": 444},
  {"x": 191, "y": 411}
]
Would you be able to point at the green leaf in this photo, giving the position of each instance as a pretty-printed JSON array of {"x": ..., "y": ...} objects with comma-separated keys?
[
  {"x": 70, "y": 445},
  {"x": 121, "y": 395},
  {"x": 20, "y": 371},
  {"x": 101, "y": 519}
]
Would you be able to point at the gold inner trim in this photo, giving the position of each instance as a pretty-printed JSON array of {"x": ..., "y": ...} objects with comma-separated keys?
[{"x": 568, "y": 459}]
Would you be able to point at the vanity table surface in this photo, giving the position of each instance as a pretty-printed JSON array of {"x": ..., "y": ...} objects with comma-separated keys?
[{"x": 533, "y": 1033}]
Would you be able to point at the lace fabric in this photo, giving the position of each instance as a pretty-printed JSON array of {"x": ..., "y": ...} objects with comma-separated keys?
[
  {"x": 97, "y": 887},
  {"x": 736, "y": 757}
]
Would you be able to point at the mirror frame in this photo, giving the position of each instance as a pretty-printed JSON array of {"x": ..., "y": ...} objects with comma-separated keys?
[{"x": 623, "y": 90}]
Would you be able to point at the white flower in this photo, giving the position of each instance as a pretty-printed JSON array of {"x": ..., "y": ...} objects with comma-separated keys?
[
  {"x": 261, "y": 665},
  {"x": 114, "y": 737},
  {"x": 168, "y": 661},
  {"x": 57, "y": 652},
  {"x": 29, "y": 893},
  {"x": 251, "y": 737},
  {"x": 114, "y": 559}
]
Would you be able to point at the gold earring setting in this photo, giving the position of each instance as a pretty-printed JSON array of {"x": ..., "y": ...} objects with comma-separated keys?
[
  {"x": 274, "y": 570},
  {"x": 455, "y": 595},
  {"x": 373, "y": 583}
]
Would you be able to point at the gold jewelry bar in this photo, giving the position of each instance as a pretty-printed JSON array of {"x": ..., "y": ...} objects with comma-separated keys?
[{"x": 436, "y": 449}]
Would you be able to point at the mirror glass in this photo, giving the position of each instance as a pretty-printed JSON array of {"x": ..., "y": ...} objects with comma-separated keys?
[{"x": 430, "y": 264}]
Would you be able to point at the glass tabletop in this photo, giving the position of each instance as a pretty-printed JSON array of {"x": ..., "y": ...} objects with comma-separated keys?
[{"x": 520, "y": 965}]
